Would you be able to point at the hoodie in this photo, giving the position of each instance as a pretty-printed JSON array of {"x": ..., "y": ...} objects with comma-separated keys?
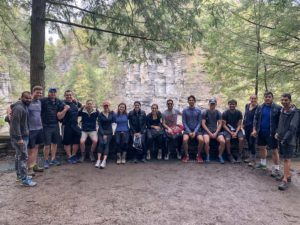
[{"x": 19, "y": 121}]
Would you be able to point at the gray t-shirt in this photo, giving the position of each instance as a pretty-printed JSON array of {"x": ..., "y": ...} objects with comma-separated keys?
[
  {"x": 35, "y": 120},
  {"x": 211, "y": 118},
  {"x": 170, "y": 117}
]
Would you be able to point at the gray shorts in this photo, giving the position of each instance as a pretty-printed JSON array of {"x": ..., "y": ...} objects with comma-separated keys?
[{"x": 228, "y": 135}]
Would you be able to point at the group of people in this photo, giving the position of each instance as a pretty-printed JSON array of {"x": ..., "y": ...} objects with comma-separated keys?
[{"x": 34, "y": 120}]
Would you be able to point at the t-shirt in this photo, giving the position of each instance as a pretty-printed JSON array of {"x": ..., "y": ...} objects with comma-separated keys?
[
  {"x": 49, "y": 111},
  {"x": 153, "y": 122},
  {"x": 265, "y": 119},
  {"x": 122, "y": 122},
  {"x": 71, "y": 117},
  {"x": 35, "y": 119},
  {"x": 232, "y": 117},
  {"x": 170, "y": 117},
  {"x": 211, "y": 119}
]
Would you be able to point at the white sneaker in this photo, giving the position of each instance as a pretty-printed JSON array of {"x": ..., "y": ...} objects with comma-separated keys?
[
  {"x": 103, "y": 164},
  {"x": 167, "y": 156},
  {"x": 148, "y": 157},
  {"x": 159, "y": 154},
  {"x": 97, "y": 165},
  {"x": 178, "y": 155}
]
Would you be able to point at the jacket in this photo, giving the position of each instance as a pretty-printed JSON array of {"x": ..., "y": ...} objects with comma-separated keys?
[
  {"x": 19, "y": 121},
  {"x": 137, "y": 121},
  {"x": 88, "y": 120},
  {"x": 275, "y": 113},
  {"x": 287, "y": 126}
]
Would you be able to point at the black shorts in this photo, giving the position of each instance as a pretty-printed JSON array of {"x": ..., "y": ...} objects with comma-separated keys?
[
  {"x": 287, "y": 151},
  {"x": 70, "y": 135},
  {"x": 267, "y": 140},
  {"x": 51, "y": 135},
  {"x": 36, "y": 137}
]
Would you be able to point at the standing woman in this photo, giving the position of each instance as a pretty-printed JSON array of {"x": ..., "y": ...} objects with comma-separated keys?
[
  {"x": 122, "y": 133},
  {"x": 250, "y": 109},
  {"x": 154, "y": 131},
  {"x": 105, "y": 132}
]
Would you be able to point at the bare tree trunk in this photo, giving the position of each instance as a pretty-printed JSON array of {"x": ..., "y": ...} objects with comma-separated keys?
[
  {"x": 37, "y": 44},
  {"x": 258, "y": 46}
]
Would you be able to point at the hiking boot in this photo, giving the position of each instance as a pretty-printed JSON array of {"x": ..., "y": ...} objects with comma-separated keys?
[
  {"x": 28, "y": 182},
  {"x": 123, "y": 160},
  {"x": 185, "y": 158},
  {"x": 239, "y": 159},
  {"x": 31, "y": 172},
  {"x": 92, "y": 157},
  {"x": 103, "y": 164},
  {"x": 37, "y": 169},
  {"x": 46, "y": 164},
  {"x": 221, "y": 160},
  {"x": 55, "y": 162},
  {"x": 159, "y": 154},
  {"x": 148, "y": 157},
  {"x": 261, "y": 166},
  {"x": 231, "y": 159},
  {"x": 167, "y": 156},
  {"x": 283, "y": 186},
  {"x": 118, "y": 158},
  {"x": 199, "y": 158},
  {"x": 97, "y": 165},
  {"x": 178, "y": 155}
]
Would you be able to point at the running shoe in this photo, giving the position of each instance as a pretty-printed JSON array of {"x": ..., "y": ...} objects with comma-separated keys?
[
  {"x": 28, "y": 182},
  {"x": 221, "y": 160},
  {"x": 97, "y": 165},
  {"x": 38, "y": 169},
  {"x": 159, "y": 154},
  {"x": 199, "y": 159},
  {"x": 185, "y": 159},
  {"x": 55, "y": 162},
  {"x": 103, "y": 164},
  {"x": 283, "y": 186},
  {"x": 46, "y": 164}
]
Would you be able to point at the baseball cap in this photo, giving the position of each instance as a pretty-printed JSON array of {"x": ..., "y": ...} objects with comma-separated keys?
[
  {"x": 52, "y": 90},
  {"x": 105, "y": 103},
  {"x": 212, "y": 101}
]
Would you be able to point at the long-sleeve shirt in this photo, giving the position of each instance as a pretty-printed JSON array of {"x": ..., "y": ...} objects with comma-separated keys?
[
  {"x": 191, "y": 119},
  {"x": 122, "y": 122},
  {"x": 105, "y": 123}
]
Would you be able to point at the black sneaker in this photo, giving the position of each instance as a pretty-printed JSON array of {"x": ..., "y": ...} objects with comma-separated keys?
[
  {"x": 239, "y": 159},
  {"x": 231, "y": 159},
  {"x": 283, "y": 186}
]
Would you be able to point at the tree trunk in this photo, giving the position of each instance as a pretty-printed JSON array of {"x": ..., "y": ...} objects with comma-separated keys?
[{"x": 37, "y": 44}]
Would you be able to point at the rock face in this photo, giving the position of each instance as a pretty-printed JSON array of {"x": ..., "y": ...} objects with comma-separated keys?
[{"x": 176, "y": 77}]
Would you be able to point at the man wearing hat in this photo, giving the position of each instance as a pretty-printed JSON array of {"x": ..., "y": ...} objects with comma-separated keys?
[
  {"x": 212, "y": 125},
  {"x": 51, "y": 107}
]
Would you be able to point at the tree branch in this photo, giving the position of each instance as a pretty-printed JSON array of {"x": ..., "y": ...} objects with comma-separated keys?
[{"x": 102, "y": 30}]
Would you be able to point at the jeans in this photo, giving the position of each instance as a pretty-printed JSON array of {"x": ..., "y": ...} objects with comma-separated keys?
[
  {"x": 251, "y": 141},
  {"x": 21, "y": 157},
  {"x": 122, "y": 139}
]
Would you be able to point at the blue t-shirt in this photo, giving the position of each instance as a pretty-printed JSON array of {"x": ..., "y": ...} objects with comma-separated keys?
[
  {"x": 265, "y": 119},
  {"x": 122, "y": 122}
]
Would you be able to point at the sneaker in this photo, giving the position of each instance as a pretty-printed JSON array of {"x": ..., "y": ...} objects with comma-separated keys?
[
  {"x": 72, "y": 161},
  {"x": 283, "y": 186},
  {"x": 103, "y": 164},
  {"x": 119, "y": 158},
  {"x": 148, "y": 157},
  {"x": 31, "y": 172},
  {"x": 185, "y": 158},
  {"x": 239, "y": 159},
  {"x": 247, "y": 160},
  {"x": 18, "y": 179},
  {"x": 261, "y": 166},
  {"x": 55, "y": 162},
  {"x": 179, "y": 155},
  {"x": 46, "y": 164},
  {"x": 252, "y": 163},
  {"x": 28, "y": 182},
  {"x": 199, "y": 159},
  {"x": 81, "y": 159},
  {"x": 37, "y": 169},
  {"x": 159, "y": 154},
  {"x": 97, "y": 165},
  {"x": 276, "y": 174},
  {"x": 143, "y": 160},
  {"x": 92, "y": 157},
  {"x": 221, "y": 159},
  {"x": 207, "y": 160},
  {"x": 231, "y": 159},
  {"x": 167, "y": 156},
  {"x": 135, "y": 160},
  {"x": 123, "y": 160}
]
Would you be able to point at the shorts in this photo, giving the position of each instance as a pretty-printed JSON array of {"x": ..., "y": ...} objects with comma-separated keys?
[
  {"x": 197, "y": 133},
  {"x": 287, "y": 151},
  {"x": 267, "y": 140},
  {"x": 70, "y": 136},
  {"x": 36, "y": 137},
  {"x": 92, "y": 134},
  {"x": 228, "y": 136},
  {"x": 219, "y": 134},
  {"x": 51, "y": 135}
]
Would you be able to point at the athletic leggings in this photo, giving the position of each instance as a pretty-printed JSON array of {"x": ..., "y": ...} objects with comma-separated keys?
[
  {"x": 103, "y": 147},
  {"x": 251, "y": 141}
]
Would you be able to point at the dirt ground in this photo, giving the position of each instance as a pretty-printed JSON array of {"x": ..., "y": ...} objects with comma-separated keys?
[{"x": 151, "y": 193}]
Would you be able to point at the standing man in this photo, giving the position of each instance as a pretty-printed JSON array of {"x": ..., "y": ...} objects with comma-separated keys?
[
  {"x": 89, "y": 115},
  {"x": 250, "y": 109},
  {"x": 212, "y": 125},
  {"x": 137, "y": 122},
  {"x": 173, "y": 130},
  {"x": 71, "y": 130},
  {"x": 191, "y": 119},
  {"x": 232, "y": 119},
  {"x": 19, "y": 133},
  {"x": 51, "y": 107},
  {"x": 265, "y": 124},
  {"x": 35, "y": 130},
  {"x": 287, "y": 136}
]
